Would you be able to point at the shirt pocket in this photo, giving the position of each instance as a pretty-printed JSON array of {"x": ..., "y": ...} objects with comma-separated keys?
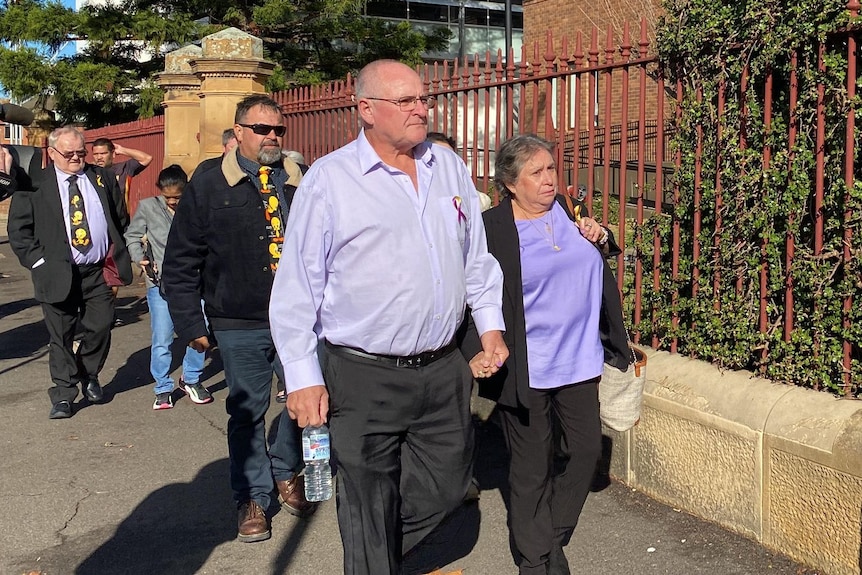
[
  {"x": 228, "y": 199},
  {"x": 455, "y": 216}
]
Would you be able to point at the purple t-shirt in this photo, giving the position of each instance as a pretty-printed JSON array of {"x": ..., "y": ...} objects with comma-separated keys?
[{"x": 562, "y": 301}]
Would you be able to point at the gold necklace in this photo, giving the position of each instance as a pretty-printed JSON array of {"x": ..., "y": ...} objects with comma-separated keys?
[{"x": 548, "y": 231}]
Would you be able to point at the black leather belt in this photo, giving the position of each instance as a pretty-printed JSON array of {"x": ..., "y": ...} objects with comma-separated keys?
[{"x": 411, "y": 361}]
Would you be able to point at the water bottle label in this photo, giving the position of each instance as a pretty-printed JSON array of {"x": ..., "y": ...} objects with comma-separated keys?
[{"x": 315, "y": 448}]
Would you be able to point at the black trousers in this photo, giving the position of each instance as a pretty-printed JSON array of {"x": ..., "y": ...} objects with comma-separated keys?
[
  {"x": 91, "y": 300},
  {"x": 544, "y": 505},
  {"x": 403, "y": 441}
]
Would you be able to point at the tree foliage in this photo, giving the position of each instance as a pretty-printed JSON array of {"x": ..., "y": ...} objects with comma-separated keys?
[
  {"x": 110, "y": 80},
  {"x": 314, "y": 41},
  {"x": 751, "y": 211},
  {"x": 102, "y": 83}
]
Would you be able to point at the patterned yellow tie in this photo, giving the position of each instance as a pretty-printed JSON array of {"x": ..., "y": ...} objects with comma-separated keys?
[
  {"x": 79, "y": 227},
  {"x": 272, "y": 212},
  {"x": 264, "y": 177}
]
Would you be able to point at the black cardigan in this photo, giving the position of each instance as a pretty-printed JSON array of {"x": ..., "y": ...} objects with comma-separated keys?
[{"x": 509, "y": 386}]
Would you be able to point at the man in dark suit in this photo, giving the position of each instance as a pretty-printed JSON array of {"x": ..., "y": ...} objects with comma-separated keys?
[{"x": 62, "y": 232}]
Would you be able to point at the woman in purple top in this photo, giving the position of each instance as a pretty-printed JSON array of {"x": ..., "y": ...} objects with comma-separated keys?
[{"x": 563, "y": 320}]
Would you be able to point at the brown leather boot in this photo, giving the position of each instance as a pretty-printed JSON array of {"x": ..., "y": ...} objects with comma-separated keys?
[
  {"x": 252, "y": 523},
  {"x": 291, "y": 492}
]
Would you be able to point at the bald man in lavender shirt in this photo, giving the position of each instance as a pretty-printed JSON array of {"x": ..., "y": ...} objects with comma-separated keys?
[{"x": 383, "y": 251}]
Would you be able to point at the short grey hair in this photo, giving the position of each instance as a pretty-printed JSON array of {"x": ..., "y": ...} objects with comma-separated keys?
[
  {"x": 293, "y": 155},
  {"x": 55, "y": 136},
  {"x": 227, "y": 136},
  {"x": 512, "y": 156}
]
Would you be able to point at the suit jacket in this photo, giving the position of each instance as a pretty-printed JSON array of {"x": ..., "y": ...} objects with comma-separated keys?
[
  {"x": 37, "y": 230},
  {"x": 509, "y": 386}
]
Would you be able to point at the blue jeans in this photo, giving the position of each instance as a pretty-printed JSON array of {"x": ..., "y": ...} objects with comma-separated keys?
[
  {"x": 249, "y": 360},
  {"x": 160, "y": 355}
]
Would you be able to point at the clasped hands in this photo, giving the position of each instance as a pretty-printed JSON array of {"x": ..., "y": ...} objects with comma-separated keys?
[
  {"x": 492, "y": 357},
  {"x": 310, "y": 405}
]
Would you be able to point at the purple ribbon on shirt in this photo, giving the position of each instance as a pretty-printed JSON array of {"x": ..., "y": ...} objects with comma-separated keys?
[{"x": 456, "y": 201}]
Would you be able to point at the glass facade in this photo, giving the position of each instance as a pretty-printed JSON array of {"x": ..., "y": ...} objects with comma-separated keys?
[{"x": 476, "y": 26}]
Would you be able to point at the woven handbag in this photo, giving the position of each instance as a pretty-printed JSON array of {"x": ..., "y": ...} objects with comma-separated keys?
[{"x": 621, "y": 393}]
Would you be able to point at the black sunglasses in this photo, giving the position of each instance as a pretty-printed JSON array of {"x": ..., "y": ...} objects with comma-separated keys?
[
  {"x": 265, "y": 129},
  {"x": 70, "y": 155}
]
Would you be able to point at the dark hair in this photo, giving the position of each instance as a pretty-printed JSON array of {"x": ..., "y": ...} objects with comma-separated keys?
[
  {"x": 227, "y": 136},
  {"x": 104, "y": 142},
  {"x": 511, "y": 157},
  {"x": 172, "y": 176},
  {"x": 441, "y": 138},
  {"x": 249, "y": 102}
]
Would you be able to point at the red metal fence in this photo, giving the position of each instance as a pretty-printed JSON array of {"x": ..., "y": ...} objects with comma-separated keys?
[
  {"x": 611, "y": 115},
  {"x": 146, "y": 135}
]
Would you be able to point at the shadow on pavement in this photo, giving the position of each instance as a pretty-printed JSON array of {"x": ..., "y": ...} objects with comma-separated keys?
[
  {"x": 14, "y": 307},
  {"x": 129, "y": 309},
  {"x": 134, "y": 373},
  {"x": 23, "y": 341},
  {"x": 172, "y": 532},
  {"x": 602, "y": 478}
]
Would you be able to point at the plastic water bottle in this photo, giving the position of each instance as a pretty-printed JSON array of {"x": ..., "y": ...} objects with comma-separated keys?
[{"x": 315, "y": 453}]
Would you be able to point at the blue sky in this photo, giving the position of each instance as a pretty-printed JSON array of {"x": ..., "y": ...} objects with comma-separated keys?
[{"x": 68, "y": 49}]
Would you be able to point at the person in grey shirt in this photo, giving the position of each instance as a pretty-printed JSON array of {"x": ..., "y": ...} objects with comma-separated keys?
[{"x": 150, "y": 227}]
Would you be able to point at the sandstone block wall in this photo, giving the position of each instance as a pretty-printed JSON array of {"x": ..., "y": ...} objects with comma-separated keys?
[{"x": 779, "y": 464}]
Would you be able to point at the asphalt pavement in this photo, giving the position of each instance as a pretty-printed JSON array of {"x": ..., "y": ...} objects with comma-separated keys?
[{"x": 122, "y": 489}]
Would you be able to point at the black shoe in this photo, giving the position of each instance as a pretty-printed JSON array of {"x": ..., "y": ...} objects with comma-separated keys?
[
  {"x": 93, "y": 391},
  {"x": 61, "y": 410}
]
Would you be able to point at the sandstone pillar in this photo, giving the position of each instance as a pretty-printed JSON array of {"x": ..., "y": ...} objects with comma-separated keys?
[
  {"x": 182, "y": 108},
  {"x": 230, "y": 67}
]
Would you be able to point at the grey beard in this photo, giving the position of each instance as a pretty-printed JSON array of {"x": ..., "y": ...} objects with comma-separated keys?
[{"x": 268, "y": 156}]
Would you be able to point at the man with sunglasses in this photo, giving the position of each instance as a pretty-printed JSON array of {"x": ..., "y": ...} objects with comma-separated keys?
[
  {"x": 224, "y": 247},
  {"x": 384, "y": 250},
  {"x": 62, "y": 232}
]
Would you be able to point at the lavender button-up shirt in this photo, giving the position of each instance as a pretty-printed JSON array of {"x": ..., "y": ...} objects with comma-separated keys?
[{"x": 370, "y": 262}]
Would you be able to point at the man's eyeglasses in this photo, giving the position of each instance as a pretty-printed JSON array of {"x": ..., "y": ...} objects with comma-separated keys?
[
  {"x": 265, "y": 129},
  {"x": 69, "y": 155},
  {"x": 408, "y": 103}
]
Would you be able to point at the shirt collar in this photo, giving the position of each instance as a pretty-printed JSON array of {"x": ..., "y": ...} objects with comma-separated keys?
[
  {"x": 250, "y": 167},
  {"x": 368, "y": 158},
  {"x": 63, "y": 176}
]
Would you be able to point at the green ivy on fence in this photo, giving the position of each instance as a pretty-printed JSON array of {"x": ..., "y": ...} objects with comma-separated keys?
[{"x": 707, "y": 45}]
